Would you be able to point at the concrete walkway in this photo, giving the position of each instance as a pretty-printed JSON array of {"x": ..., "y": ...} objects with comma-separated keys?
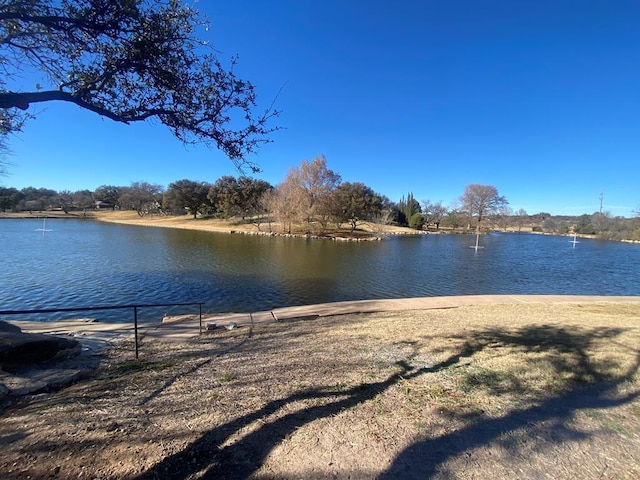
[{"x": 184, "y": 327}]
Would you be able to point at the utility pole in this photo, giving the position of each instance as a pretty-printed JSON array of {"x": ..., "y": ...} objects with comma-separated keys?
[
  {"x": 601, "y": 198},
  {"x": 600, "y": 216}
]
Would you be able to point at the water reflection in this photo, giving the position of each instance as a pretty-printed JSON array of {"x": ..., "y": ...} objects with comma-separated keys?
[{"x": 83, "y": 263}]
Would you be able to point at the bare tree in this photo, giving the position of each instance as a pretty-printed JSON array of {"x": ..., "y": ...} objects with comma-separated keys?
[
  {"x": 317, "y": 183},
  {"x": 284, "y": 202},
  {"x": 381, "y": 220},
  {"x": 268, "y": 201},
  {"x": 479, "y": 201},
  {"x": 64, "y": 200},
  {"x": 143, "y": 197},
  {"x": 261, "y": 209},
  {"x": 312, "y": 185},
  {"x": 4, "y": 154},
  {"x": 521, "y": 218},
  {"x": 83, "y": 199},
  {"x": 433, "y": 213},
  {"x": 503, "y": 217}
]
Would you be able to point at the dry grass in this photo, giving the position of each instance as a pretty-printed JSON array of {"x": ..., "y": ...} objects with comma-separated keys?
[
  {"x": 237, "y": 224},
  {"x": 492, "y": 391}
]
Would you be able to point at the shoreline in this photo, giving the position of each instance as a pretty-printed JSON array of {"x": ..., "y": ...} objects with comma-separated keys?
[
  {"x": 182, "y": 327},
  {"x": 186, "y": 222},
  {"x": 365, "y": 232}
]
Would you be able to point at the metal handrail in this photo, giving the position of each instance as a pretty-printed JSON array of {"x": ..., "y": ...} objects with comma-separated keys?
[{"x": 105, "y": 307}]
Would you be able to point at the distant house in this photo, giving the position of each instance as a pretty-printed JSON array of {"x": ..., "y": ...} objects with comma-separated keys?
[{"x": 100, "y": 205}]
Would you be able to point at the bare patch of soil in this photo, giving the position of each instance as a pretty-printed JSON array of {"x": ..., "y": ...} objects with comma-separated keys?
[{"x": 491, "y": 391}]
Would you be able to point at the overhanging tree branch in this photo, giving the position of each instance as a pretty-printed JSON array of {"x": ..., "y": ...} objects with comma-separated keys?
[
  {"x": 129, "y": 60},
  {"x": 23, "y": 101}
]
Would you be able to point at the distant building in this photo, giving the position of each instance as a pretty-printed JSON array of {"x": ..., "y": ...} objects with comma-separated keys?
[{"x": 100, "y": 205}]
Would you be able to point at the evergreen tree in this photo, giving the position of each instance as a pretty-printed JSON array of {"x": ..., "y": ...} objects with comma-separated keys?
[{"x": 407, "y": 208}]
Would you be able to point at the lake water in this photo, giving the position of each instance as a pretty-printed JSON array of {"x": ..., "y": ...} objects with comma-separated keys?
[{"x": 86, "y": 263}]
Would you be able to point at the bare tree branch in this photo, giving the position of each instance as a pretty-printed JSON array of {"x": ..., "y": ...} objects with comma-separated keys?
[{"x": 129, "y": 61}]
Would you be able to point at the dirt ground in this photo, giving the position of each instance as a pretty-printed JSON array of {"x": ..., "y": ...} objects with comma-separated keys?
[
  {"x": 364, "y": 230},
  {"x": 488, "y": 391}
]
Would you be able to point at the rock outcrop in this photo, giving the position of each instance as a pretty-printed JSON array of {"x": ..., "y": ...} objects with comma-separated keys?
[
  {"x": 18, "y": 349},
  {"x": 32, "y": 363}
]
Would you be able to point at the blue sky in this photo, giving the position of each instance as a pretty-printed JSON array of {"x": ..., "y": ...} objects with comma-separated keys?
[{"x": 539, "y": 98}]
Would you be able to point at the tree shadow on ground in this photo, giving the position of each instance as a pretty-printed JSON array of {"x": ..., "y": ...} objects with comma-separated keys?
[
  {"x": 213, "y": 352},
  {"x": 594, "y": 386}
]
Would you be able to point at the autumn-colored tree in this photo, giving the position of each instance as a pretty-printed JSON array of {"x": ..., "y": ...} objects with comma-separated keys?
[
  {"x": 311, "y": 186},
  {"x": 317, "y": 183},
  {"x": 284, "y": 202}
]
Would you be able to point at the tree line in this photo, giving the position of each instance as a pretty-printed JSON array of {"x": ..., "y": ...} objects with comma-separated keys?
[
  {"x": 134, "y": 60},
  {"x": 313, "y": 199}
]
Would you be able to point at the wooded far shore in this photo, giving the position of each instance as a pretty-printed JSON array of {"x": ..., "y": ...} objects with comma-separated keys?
[{"x": 365, "y": 230}]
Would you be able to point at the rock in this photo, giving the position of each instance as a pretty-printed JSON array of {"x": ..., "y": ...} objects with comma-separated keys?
[
  {"x": 18, "y": 349},
  {"x": 4, "y": 392},
  {"x": 39, "y": 363},
  {"x": 9, "y": 327},
  {"x": 34, "y": 381}
]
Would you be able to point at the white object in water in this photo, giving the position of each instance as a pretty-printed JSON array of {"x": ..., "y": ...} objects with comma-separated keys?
[{"x": 44, "y": 227}]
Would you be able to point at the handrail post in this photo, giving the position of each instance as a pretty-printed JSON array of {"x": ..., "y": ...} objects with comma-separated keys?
[
  {"x": 105, "y": 307},
  {"x": 135, "y": 327}
]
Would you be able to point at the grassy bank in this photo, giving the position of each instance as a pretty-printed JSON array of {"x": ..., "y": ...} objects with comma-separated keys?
[
  {"x": 491, "y": 391},
  {"x": 235, "y": 225}
]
